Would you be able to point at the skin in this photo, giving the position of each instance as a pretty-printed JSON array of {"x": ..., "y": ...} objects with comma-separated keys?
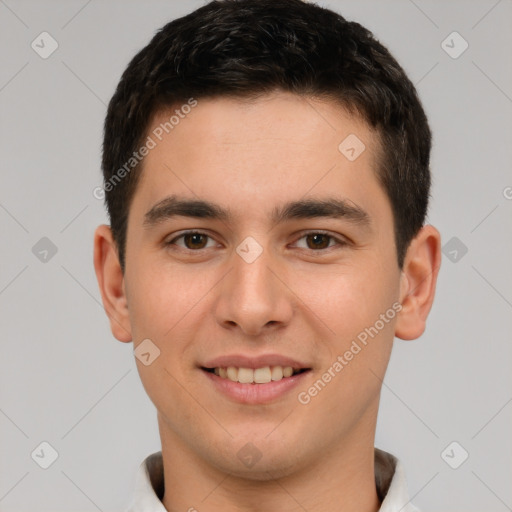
[{"x": 202, "y": 300}]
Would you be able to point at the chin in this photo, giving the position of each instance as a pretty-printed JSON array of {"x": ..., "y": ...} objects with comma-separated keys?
[
  {"x": 259, "y": 459},
  {"x": 263, "y": 470}
]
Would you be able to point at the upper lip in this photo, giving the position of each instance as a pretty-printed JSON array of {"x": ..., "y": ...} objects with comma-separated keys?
[{"x": 244, "y": 361}]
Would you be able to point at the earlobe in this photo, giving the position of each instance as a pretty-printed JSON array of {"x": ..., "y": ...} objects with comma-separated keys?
[
  {"x": 418, "y": 283},
  {"x": 111, "y": 283}
]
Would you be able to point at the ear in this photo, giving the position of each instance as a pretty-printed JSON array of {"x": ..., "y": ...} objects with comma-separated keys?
[
  {"x": 111, "y": 283},
  {"x": 418, "y": 283}
]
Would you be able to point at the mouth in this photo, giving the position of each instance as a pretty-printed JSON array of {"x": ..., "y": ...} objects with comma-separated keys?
[
  {"x": 255, "y": 381},
  {"x": 256, "y": 376}
]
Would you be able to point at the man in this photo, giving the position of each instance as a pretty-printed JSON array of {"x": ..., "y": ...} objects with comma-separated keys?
[{"x": 266, "y": 167}]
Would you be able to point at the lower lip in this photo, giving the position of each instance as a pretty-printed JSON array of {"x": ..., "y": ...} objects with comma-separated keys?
[{"x": 255, "y": 393}]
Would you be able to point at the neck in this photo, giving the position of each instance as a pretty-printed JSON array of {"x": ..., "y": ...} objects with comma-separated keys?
[{"x": 337, "y": 480}]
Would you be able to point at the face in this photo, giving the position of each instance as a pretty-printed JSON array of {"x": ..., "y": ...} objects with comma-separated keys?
[{"x": 292, "y": 263}]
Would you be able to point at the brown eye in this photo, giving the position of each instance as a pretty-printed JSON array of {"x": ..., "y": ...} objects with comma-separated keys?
[
  {"x": 192, "y": 240},
  {"x": 318, "y": 240},
  {"x": 195, "y": 240}
]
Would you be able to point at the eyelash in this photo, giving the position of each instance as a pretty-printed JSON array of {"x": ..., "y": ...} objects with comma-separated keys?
[{"x": 340, "y": 243}]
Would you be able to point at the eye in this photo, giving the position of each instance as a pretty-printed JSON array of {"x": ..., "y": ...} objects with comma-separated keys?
[
  {"x": 193, "y": 240},
  {"x": 317, "y": 240}
]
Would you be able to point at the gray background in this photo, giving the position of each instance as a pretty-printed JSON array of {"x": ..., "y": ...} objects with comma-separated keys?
[{"x": 65, "y": 380}]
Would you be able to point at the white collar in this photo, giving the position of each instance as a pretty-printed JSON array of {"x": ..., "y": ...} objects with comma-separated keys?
[{"x": 389, "y": 478}]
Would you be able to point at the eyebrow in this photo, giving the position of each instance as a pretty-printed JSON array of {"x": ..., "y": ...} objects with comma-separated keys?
[{"x": 173, "y": 206}]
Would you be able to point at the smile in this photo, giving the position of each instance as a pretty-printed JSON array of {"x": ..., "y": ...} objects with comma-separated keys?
[
  {"x": 262, "y": 375},
  {"x": 255, "y": 386}
]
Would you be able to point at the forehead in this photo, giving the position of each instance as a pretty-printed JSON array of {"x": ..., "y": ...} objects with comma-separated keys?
[
  {"x": 294, "y": 119},
  {"x": 243, "y": 152}
]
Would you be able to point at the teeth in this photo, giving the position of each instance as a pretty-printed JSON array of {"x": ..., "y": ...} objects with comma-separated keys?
[
  {"x": 232, "y": 373},
  {"x": 277, "y": 372},
  {"x": 258, "y": 376},
  {"x": 262, "y": 375},
  {"x": 245, "y": 375}
]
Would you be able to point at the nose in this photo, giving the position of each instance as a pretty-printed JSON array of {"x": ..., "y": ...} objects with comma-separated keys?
[{"x": 254, "y": 296}]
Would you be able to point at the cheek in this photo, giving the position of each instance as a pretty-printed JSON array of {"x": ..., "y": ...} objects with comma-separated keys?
[
  {"x": 160, "y": 297},
  {"x": 163, "y": 309},
  {"x": 167, "y": 305},
  {"x": 347, "y": 300},
  {"x": 359, "y": 347}
]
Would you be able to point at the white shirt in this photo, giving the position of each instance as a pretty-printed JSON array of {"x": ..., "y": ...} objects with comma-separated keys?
[{"x": 389, "y": 479}]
